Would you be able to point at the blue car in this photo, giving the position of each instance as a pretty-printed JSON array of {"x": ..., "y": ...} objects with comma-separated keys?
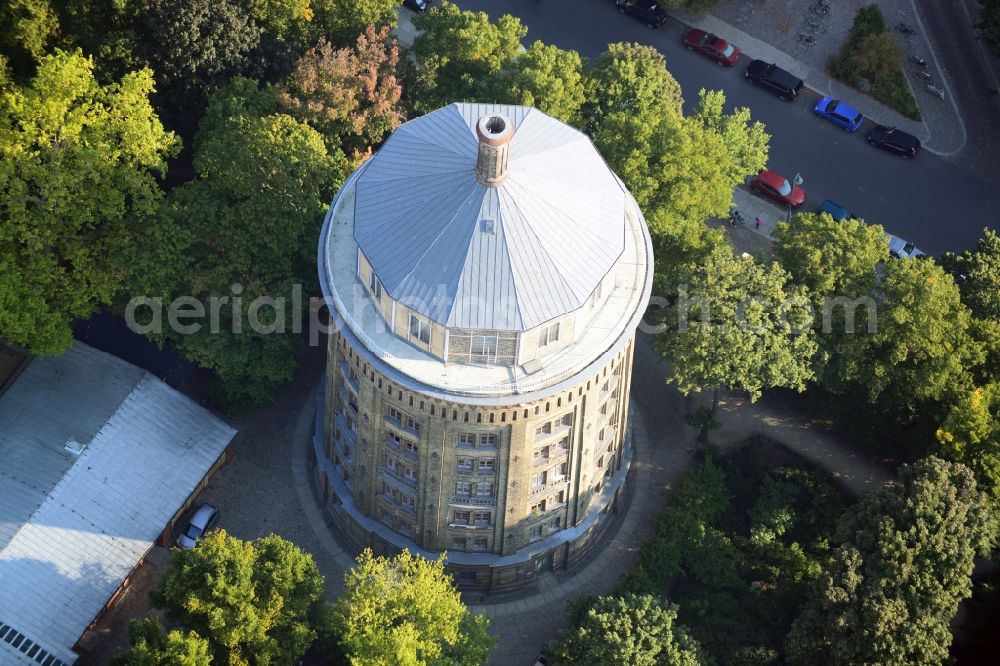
[
  {"x": 839, "y": 114},
  {"x": 834, "y": 210}
]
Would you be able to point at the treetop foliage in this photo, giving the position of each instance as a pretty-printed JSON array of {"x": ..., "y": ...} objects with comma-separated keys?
[
  {"x": 251, "y": 600},
  {"x": 406, "y": 611},
  {"x": 78, "y": 169}
]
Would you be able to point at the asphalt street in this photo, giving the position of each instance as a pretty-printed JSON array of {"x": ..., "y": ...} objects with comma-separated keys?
[{"x": 938, "y": 203}]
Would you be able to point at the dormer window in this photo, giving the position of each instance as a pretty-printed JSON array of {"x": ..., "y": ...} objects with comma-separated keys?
[
  {"x": 375, "y": 286},
  {"x": 419, "y": 330},
  {"x": 548, "y": 335}
]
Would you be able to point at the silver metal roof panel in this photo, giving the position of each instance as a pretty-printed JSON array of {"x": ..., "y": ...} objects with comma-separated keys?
[{"x": 558, "y": 220}]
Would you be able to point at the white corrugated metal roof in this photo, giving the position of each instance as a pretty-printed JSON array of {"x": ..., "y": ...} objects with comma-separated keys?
[
  {"x": 559, "y": 219},
  {"x": 93, "y": 525}
]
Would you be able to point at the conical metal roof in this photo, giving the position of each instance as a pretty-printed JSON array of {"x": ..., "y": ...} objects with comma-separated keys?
[{"x": 469, "y": 255}]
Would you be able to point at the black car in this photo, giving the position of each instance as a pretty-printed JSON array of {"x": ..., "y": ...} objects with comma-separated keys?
[
  {"x": 417, "y": 5},
  {"x": 894, "y": 141},
  {"x": 774, "y": 79},
  {"x": 646, "y": 11}
]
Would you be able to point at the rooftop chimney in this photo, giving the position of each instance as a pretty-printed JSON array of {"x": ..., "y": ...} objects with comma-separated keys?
[{"x": 494, "y": 134}]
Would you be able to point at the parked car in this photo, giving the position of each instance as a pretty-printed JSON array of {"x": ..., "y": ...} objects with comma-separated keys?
[
  {"x": 903, "y": 249},
  {"x": 777, "y": 187},
  {"x": 894, "y": 141},
  {"x": 645, "y": 11},
  {"x": 775, "y": 80},
  {"x": 843, "y": 116},
  {"x": 417, "y": 5},
  {"x": 715, "y": 48},
  {"x": 201, "y": 521},
  {"x": 836, "y": 211}
]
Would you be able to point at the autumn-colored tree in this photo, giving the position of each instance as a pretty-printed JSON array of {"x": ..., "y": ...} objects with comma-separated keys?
[{"x": 349, "y": 95}]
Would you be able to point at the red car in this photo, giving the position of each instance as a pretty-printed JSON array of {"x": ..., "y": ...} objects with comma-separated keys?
[
  {"x": 722, "y": 52},
  {"x": 777, "y": 187}
]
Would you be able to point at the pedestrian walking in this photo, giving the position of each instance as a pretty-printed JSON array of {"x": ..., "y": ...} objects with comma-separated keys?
[{"x": 759, "y": 222}]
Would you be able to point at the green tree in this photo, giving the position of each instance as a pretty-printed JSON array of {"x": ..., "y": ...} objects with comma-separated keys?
[
  {"x": 196, "y": 44},
  {"x": 77, "y": 168},
  {"x": 342, "y": 21},
  {"x": 830, "y": 258},
  {"x": 288, "y": 20},
  {"x": 905, "y": 565},
  {"x": 251, "y": 219},
  {"x": 971, "y": 434},
  {"x": 635, "y": 630},
  {"x": 977, "y": 273},
  {"x": 877, "y": 57},
  {"x": 151, "y": 647},
  {"x": 747, "y": 142},
  {"x": 406, "y": 611},
  {"x": 921, "y": 349},
  {"x": 739, "y": 325},
  {"x": 26, "y": 28},
  {"x": 352, "y": 96},
  {"x": 678, "y": 169},
  {"x": 461, "y": 55},
  {"x": 547, "y": 78},
  {"x": 250, "y": 600}
]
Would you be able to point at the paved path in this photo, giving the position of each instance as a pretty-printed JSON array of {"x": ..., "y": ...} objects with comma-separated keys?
[{"x": 856, "y": 472}]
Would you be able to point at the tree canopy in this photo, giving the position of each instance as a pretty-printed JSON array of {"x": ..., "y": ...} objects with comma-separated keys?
[
  {"x": 251, "y": 600},
  {"x": 461, "y": 55},
  {"x": 905, "y": 564},
  {"x": 26, "y": 29},
  {"x": 921, "y": 348},
  {"x": 405, "y": 611},
  {"x": 977, "y": 273},
  {"x": 195, "y": 45},
  {"x": 351, "y": 96},
  {"x": 828, "y": 257},
  {"x": 151, "y": 647},
  {"x": 971, "y": 434},
  {"x": 77, "y": 172},
  {"x": 635, "y": 630},
  {"x": 341, "y": 21},
  {"x": 547, "y": 78},
  {"x": 250, "y": 219},
  {"x": 739, "y": 325}
]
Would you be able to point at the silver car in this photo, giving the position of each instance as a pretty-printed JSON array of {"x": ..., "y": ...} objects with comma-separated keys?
[
  {"x": 903, "y": 249},
  {"x": 202, "y": 520}
]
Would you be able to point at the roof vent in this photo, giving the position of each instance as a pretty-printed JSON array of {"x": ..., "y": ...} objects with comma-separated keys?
[
  {"x": 74, "y": 447},
  {"x": 494, "y": 133}
]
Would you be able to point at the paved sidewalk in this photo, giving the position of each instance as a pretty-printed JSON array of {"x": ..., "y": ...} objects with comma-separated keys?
[
  {"x": 857, "y": 473},
  {"x": 768, "y": 30}
]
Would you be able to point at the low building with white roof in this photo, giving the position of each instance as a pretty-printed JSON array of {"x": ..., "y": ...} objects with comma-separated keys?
[{"x": 98, "y": 459}]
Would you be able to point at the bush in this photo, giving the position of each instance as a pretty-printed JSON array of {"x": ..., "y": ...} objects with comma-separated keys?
[{"x": 871, "y": 61}]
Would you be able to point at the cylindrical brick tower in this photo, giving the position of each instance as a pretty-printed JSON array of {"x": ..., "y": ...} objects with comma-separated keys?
[{"x": 487, "y": 272}]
